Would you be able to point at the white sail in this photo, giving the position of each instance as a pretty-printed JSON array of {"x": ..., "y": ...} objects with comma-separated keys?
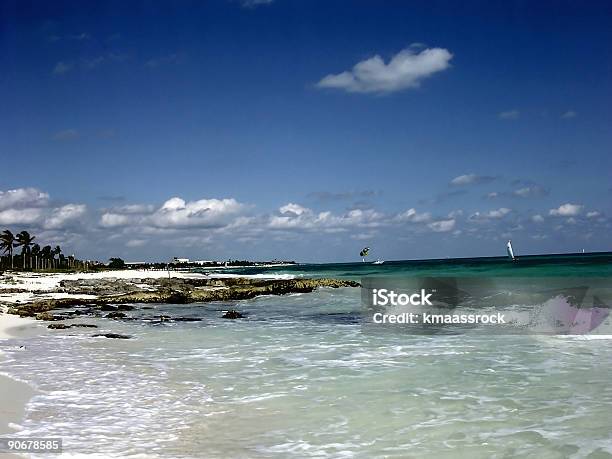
[{"x": 510, "y": 250}]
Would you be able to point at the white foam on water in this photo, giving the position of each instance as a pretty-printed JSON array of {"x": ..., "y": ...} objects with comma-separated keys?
[
  {"x": 291, "y": 382},
  {"x": 251, "y": 276}
]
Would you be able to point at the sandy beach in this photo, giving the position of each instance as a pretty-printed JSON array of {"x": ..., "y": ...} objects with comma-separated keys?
[
  {"x": 45, "y": 281},
  {"x": 13, "y": 394}
]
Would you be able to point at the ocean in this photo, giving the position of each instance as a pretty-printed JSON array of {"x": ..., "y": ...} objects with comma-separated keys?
[{"x": 298, "y": 377}]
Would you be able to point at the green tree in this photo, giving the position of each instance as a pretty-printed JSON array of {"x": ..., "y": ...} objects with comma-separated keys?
[
  {"x": 46, "y": 255},
  {"x": 35, "y": 251},
  {"x": 7, "y": 242},
  {"x": 25, "y": 241},
  {"x": 116, "y": 263}
]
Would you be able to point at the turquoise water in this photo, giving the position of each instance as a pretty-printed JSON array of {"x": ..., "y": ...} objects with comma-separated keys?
[
  {"x": 592, "y": 264},
  {"x": 299, "y": 378}
]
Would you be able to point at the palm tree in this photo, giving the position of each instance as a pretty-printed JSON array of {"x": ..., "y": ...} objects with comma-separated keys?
[
  {"x": 35, "y": 253},
  {"x": 46, "y": 255},
  {"x": 24, "y": 240},
  {"x": 7, "y": 242}
]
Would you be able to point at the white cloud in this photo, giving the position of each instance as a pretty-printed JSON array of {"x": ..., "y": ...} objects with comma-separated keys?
[
  {"x": 405, "y": 70},
  {"x": 292, "y": 208},
  {"x": 471, "y": 179},
  {"x": 566, "y": 210},
  {"x": 498, "y": 213},
  {"x": 530, "y": 191},
  {"x": 62, "y": 215},
  {"x": 204, "y": 213},
  {"x": 442, "y": 226},
  {"x": 495, "y": 214},
  {"x": 411, "y": 215},
  {"x": 20, "y": 216},
  {"x": 569, "y": 115},
  {"x": 134, "y": 209},
  {"x": 62, "y": 68},
  {"x": 212, "y": 223},
  {"x": 175, "y": 213},
  {"x": 29, "y": 206},
  {"x": 255, "y": 3},
  {"x": 509, "y": 115},
  {"x": 295, "y": 217},
  {"x": 111, "y": 220},
  {"x": 23, "y": 197}
]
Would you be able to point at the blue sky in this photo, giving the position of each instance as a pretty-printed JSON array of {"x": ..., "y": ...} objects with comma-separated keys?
[{"x": 306, "y": 130}]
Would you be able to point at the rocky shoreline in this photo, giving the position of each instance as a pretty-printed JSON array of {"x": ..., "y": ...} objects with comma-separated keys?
[{"x": 112, "y": 296}]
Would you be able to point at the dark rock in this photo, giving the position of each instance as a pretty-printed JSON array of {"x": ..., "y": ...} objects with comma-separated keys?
[
  {"x": 178, "y": 297},
  {"x": 178, "y": 291},
  {"x": 58, "y": 326},
  {"x": 232, "y": 314},
  {"x": 187, "y": 319},
  {"x": 84, "y": 326},
  {"x": 116, "y": 315},
  {"x": 125, "y": 307},
  {"x": 81, "y": 312},
  {"x": 45, "y": 316},
  {"x": 111, "y": 335}
]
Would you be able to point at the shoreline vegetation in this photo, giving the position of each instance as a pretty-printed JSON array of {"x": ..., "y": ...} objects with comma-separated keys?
[{"x": 31, "y": 257}]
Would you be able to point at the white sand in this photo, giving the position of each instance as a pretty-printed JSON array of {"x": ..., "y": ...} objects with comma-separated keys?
[
  {"x": 13, "y": 394},
  {"x": 44, "y": 281},
  {"x": 41, "y": 285}
]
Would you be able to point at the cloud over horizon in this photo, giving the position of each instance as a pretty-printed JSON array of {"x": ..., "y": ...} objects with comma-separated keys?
[
  {"x": 29, "y": 206},
  {"x": 178, "y": 225}
]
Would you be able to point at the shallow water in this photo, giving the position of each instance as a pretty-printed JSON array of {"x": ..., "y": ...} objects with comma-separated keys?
[{"x": 299, "y": 378}]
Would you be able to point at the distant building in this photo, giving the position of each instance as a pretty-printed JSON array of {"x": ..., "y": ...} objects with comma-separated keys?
[
  {"x": 205, "y": 262},
  {"x": 180, "y": 260}
]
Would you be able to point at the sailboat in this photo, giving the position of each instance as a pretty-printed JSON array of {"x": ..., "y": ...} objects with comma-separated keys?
[{"x": 510, "y": 250}]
